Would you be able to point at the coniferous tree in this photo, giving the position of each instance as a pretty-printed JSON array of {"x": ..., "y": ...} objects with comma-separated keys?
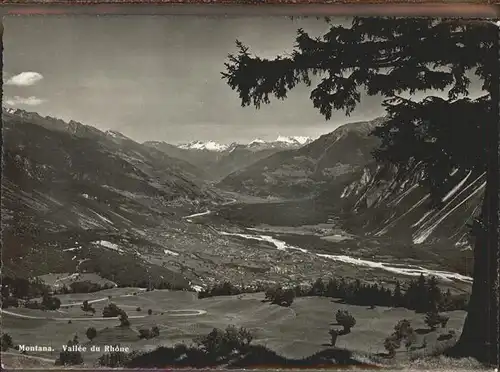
[
  {"x": 398, "y": 296},
  {"x": 421, "y": 294},
  {"x": 388, "y": 56},
  {"x": 446, "y": 301},
  {"x": 434, "y": 296},
  {"x": 318, "y": 287},
  {"x": 91, "y": 333}
]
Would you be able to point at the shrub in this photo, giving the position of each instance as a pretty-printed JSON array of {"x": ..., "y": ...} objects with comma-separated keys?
[
  {"x": 138, "y": 309},
  {"x": 50, "y": 303},
  {"x": 91, "y": 333},
  {"x": 6, "y": 342},
  {"x": 279, "y": 296},
  {"x": 287, "y": 297},
  {"x": 270, "y": 293},
  {"x": 410, "y": 340},
  {"x": 245, "y": 336},
  {"x": 392, "y": 343},
  {"x": 345, "y": 319},
  {"x": 111, "y": 311},
  {"x": 432, "y": 319},
  {"x": 67, "y": 357},
  {"x": 115, "y": 359},
  {"x": 443, "y": 320},
  {"x": 219, "y": 343},
  {"x": 403, "y": 329},
  {"x": 150, "y": 311},
  {"x": 86, "y": 307},
  {"x": 124, "y": 321},
  {"x": 211, "y": 343},
  {"x": 180, "y": 349},
  {"x": 33, "y": 305},
  {"x": 85, "y": 287},
  {"x": 149, "y": 333},
  {"x": 155, "y": 331},
  {"x": 9, "y": 302},
  {"x": 144, "y": 334}
]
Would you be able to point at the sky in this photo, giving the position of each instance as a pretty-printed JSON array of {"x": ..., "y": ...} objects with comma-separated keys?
[{"x": 158, "y": 77}]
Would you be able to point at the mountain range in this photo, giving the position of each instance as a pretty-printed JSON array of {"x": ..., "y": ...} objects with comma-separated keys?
[
  {"x": 282, "y": 142},
  {"x": 75, "y": 198},
  {"x": 338, "y": 178},
  {"x": 219, "y": 160},
  {"x": 69, "y": 185}
]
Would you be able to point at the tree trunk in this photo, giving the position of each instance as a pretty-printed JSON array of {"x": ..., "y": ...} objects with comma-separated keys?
[{"x": 479, "y": 338}]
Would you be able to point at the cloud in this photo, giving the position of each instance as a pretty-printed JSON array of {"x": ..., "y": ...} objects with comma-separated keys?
[
  {"x": 30, "y": 101},
  {"x": 24, "y": 79}
]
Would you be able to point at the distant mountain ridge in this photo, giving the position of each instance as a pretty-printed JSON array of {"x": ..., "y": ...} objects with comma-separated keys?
[
  {"x": 67, "y": 185},
  {"x": 219, "y": 160},
  {"x": 303, "y": 171},
  {"x": 280, "y": 142},
  {"x": 77, "y": 199},
  {"x": 338, "y": 173}
]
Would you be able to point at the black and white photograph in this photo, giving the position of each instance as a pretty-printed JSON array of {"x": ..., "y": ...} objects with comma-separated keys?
[{"x": 243, "y": 192}]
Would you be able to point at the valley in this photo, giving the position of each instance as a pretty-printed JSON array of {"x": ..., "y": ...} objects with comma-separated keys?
[
  {"x": 129, "y": 217},
  {"x": 239, "y": 191},
  {"x": 173, "y": 226},
  {"x": 293, "y": 332}
]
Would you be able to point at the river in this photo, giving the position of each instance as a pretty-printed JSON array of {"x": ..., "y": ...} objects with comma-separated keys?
[{"x": 408, "y": 270}]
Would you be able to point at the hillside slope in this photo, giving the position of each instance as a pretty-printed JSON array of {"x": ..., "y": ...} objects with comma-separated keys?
[
  {"x": 305, "y": 171},
  {"x": 336, "y": 178},
  {"x": 218, "y": 161},
  {"x": 68, "y": 187}
]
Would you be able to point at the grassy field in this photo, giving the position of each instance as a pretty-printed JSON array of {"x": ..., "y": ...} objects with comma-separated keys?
[{"x": 297, "y": 331}]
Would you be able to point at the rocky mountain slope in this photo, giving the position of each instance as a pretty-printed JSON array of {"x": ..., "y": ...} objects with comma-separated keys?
[
  {"x": 219, "y": 160},
  {"x": 68, "y": 187},
  {"x": 340, "y": 181},
  {"x": 305, "y": 171},
  {"x": 380, "y": 203},
  {"x": 79, "y": 200},
  {"x": 76, "y": 201}
]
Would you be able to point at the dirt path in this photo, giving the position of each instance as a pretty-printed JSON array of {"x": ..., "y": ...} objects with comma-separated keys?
[
  {"x": 175, "y": 313},
  {"x": 191, "y": 312}
]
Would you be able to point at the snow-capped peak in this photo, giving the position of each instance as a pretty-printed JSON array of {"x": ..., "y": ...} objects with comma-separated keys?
[
  {"x": 301, "y": 140},
  {"x": 200, "y": 145},
  {"x": 10, "y": 110},
  {"x": 115, "y": 134},
  {"x": 256, "y": 141}
]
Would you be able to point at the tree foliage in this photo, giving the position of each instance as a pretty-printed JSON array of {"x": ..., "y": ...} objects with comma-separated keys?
[
  {"x": 70, "y": 356},
  {"x": 86, "y": 307},
  {"x": 222, "y": 343},
  {"x": 390, "y": 57},
  {"x": 345, "y": 319},
  {"x": 280, "y": 296},
  {"x": 6, "y": 342},
  {"x": 111, "y": 311},
  {"x": 114, "y": 359},
  {"x": 445, "y": 138},
  {"x": 91, "y": 333}
]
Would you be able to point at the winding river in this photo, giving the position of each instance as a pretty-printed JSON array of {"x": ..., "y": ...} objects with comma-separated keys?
[{"x": 409, "y": 270}]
